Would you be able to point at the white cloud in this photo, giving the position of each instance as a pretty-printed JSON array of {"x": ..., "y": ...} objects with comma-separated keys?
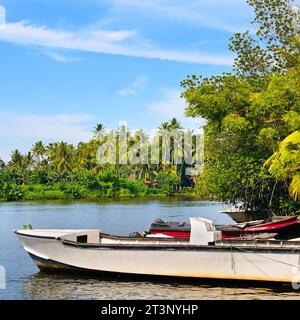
[
  {"x": 60, "y": 57},
  {"x": 225, "y": 15},
  {"x": 136, "y": 87},
  {"x": 21, "y": 131},
  {"x": 172, "y": 106},
  {"x": 114, "y": 36},
  {"x": 24, "y": 33},
  {"x": 122, "y": 42},
  {"x": 59, "y": 127}
]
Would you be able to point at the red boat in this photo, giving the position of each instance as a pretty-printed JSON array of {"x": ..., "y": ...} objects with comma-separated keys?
[{"x": 285, "y": 229}]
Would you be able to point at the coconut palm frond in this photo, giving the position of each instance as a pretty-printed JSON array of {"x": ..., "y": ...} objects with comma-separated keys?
[
  {"x": 293, "y": 138},
  {"x": 271, "y": 159},
  {"x": 294, "y": 187}
]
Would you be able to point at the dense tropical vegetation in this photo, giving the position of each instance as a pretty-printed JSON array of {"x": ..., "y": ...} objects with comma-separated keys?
[
  {"x": 252, "y": 133},
  {"x": 63, "y": 171}
]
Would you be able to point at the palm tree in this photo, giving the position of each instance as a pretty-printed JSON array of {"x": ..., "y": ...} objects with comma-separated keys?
[
  {"x": 61, "y": 156},
  {"x": 139, "y": 151},
  {"x": 163, "y": 129},
  {"x": 82, "y": 156},
  {"x": 175, "y": 128},
  {"x": 170, "y": 125},
  {"x": 294, "y": 187},
  {"x": 28, "y": 161},
  {"x": 175, "y": 124},
  {"x": 164, "y": 126},
  {"x": 39, "y": 151},
  {"x": 16, "y": 158},
  {"x": 98, "y": 130}
]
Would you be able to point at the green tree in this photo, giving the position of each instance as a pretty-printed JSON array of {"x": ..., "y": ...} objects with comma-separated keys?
[
  {"x": 2, "y": 164},
  {"x": 29, "y": 161},
  {"x": 167, "y": 182},
  {"x": 277, "y": 23},
  {"x": 10, "y": 191},
  {"x": 39, "y": 151},
  {"x": 250, "y": 112},
  {"x": 16, "y": 159},
  {"x": 284, "y": 164},
  {"x": 61, "y": 156},
  {"x": 98, "y": 130}
]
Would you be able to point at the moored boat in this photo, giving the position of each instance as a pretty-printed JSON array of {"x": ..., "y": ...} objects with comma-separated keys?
[
  {"x": 285, "y": 229},
  {"x": 171, "y": 228},
  {"x": 237, "y": 208},
  {"x": 203, "y": 255}
]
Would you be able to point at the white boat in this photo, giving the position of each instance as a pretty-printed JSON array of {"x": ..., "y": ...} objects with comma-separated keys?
[
  {"x": 237, "y": 212},
  {"x": 237, "y": 208},
  {"x": 204, "y": 255}
]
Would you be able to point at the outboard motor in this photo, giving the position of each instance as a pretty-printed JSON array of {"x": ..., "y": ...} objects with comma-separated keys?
[{"x": 203, "y": 231}]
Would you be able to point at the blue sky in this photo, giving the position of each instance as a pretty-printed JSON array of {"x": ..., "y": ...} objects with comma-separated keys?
[{"x": 67, "y": 65}]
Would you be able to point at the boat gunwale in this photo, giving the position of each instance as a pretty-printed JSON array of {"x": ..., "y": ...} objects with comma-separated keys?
[
  {"x": 182, "y": 244},
  {"x": 35, "y": 236},
  {"x": 108, "y": 236},
  {"x": 187, "y": 247}
]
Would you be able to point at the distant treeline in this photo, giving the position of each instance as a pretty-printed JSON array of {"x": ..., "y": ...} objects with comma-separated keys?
[{"x": 64, "y": 171}]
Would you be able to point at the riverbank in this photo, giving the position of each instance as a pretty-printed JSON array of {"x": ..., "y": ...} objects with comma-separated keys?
[{"x": 69, "y": 191}]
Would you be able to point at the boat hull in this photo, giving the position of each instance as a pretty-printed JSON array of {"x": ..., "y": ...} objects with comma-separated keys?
[{"x": 186, "y": 261}]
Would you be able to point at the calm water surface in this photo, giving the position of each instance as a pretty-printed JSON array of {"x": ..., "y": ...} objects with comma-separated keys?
[{"x": 24, "y": 281}]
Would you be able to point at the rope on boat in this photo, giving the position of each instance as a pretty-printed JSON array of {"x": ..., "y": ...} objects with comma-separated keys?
[
  {"x": 272, "y": 259},
  {"x": 288, "y": 264},
  {"x": 256, "y": 266},
  {"x": 232, "y": 262}
]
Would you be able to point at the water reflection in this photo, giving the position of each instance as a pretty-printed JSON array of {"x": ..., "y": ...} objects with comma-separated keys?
[{"x": 50, "y": 286}]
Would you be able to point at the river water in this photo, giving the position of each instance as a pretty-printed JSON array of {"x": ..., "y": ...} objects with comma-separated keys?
[{"x": 24, "y": 281}]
